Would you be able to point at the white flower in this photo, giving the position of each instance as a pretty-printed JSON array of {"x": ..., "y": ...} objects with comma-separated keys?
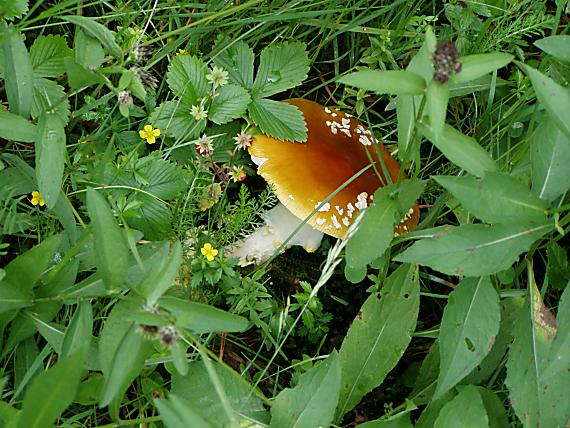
[
  {"x": 204, "y": 145},
  {"x": 243, "y": 140},
  {"x": 218, "y": 76},
  {"x": 198, "y": 112}
]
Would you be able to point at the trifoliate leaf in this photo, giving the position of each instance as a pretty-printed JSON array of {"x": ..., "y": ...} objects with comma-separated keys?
[
  {"x": 49, "y": 96},
  {"x": 48, "y": 54},
  {"x": 11, "y": 9},
  {"x": 186, "y": 77},
  {"x": 279, "y": 120},
  {"x": 230, "y": 103},
  {"x": 237, "y": 59},
  {"x": 175, "y": 119},
  {"x": 282, "y": 66}
]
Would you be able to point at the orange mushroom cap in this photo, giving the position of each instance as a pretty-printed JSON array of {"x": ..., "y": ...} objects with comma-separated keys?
[{"x": 305, "y": 174}]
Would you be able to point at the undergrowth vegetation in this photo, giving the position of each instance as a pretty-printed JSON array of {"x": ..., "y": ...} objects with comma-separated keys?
[{"x": 125, "y": 179}]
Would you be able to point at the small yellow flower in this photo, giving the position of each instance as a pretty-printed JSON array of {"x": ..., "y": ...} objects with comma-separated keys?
[
  {"x": 208, "y": 251},
  {"x": 149, "y": 134},
  {"x": 38, "y": 199},
  {"x": 181, "y": 52}
]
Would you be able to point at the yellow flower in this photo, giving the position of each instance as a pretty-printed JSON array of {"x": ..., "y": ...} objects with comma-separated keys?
[
  {"x": 38, "y": 199},
  {"x": 149, "y": 134},
  {"x": 209, "y": 252},
  {"x": 181, "y": 52}
]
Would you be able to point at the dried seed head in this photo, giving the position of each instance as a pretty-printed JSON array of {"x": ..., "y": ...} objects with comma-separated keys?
[
  {"x": 148, "y": 331},
  {"x": 445, "y": 60},
  {"x": 168, "y": 335},
  {"x": 146, "y": 77},
  {"x": 125, "y": 98},
  {"x": 141, "y": 53}
]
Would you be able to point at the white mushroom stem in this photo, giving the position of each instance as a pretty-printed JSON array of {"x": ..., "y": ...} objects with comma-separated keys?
[{"x": 280, "y": 223}]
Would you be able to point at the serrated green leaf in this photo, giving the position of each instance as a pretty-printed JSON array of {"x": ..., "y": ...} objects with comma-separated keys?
[
  {"x": 378, "y": 336},
  {"x": 177, "y": 413},
  {"x": 558, "y": 46},
  {"x": 474, "y": 249},
  {"x": 460, "y": 149},
  {"x": 15, "y": 127},
  {"x": 186, "y": 77},
  {"x": 88, "y": 50},
  {"x": 47, "y": 55},
  {"x": 11, "y": 9},
  {"x": 230, "y": 103},
  {"x": 202, "y": 318},
  {"x": 466, "y": 406},
  {"x": 554, "y": 98},
  {"x": 165, "y": 179},
  {"x": 18, "y": 75},
  {"x": 237, "y": 60},
  {"x": 550, "y": 157},
  {"x": 313, "y": 401},
  {"x": 127, "y": 363},
  {"x": 468, "y": 329},
  {"x": 282, "y": 66},
  {"x": 174, "y": 118},
  {"x": 50, "y": 157},
  {"x": 49, "y": 97},
  {"x": 198, "y": 387},
  {"x": 99, "y": 31},
  {"x": 496, "y": 198},
  {"x": 51, "y": 393},
  {"x": 152, "y": 219},
  {"x": 111, "y": 250},
  {"x": 398, "y": 82},
  {"x": 78, "y": 333},
  {"x": 79, "y": 77},
  {"x": 475, "y": 66},
  {"x": 161, "y": 274},
  {"x": 278, "y": 120}
]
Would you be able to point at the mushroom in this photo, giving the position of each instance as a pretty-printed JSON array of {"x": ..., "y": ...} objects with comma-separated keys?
[{"x": 304, "y": 175}]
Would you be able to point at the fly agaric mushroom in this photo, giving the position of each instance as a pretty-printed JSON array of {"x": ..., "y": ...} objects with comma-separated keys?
[{"x": 304, "y": 175}]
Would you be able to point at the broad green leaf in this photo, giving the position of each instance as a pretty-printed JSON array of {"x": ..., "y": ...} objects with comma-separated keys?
[
  {"x": 237, "y": 60},
  {"x": 79, "y": 77},
  {"x": 355, "y": 274},
  {"x": 466, "y": 407},
  {"x": 98, "y": 31},
  {"x": 88, "y": 51},
  {"x": 468, "y": 329},
  {"x": 12, "y": 297},
  {"x": 186, "y": 77},
  {"x": 174, "y": 118},
  {"x": 496, "y": 198},
  {"x": 554, "y": 98},
  {"x": 475, "y": 66},
  {"x": 202, "y": 318},
  {"x": 474, "y": 249},
  {"x": 426, "y": 380},
  {"x": 278, "y": 120},
  {"x": 161, "y": 273},
  {"x": 179, "y": 359},
  {"x": 51, "y": 393},
  {"x": 558, "y": 46},
  {"x": 495, "y": 408},
  {"x": 15, "y": 127},
  {"x": 402, "y": 421},
  {"x": 550, "y": 157},
  {"x": 111, "y": 250},
  {"x": 18, "y": 75},
  {"x": 10, "y": 9},
  {"x": 394, "y": 82},
  {"x": 313, "y": 401},
  {"x": 25, "y": 270},
  {"x": 198, "y": 388},
  {"x": 231, "y": 102},
  {"x": 378, "y": 336},
  {"x": 176, "y": 412},
  {"x": 49, "y": 97},
  {"x": 398, "y": 82},
  {"x": 78, "y": 332},
  {"x": 282, "y": 66},
  {"x": 152, "y": 218},
  {"x": 50, "y": 157},
  {"x": 539, "y": 397},
  {"x": 460, "y": 149},
  {"x": 47, "y": 55},
  {"x": 559, "y": 357},
  {"x": 128, "y": 361},
  {"x": 437, "y": 97},
  {"x": 432, "y": 411},
  {"x": 377, "y": 227}
]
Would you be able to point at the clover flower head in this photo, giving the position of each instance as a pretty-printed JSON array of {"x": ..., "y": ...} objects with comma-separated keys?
[
  {"x": 208, "y": 251},
  {"x": 243, "y": 140},
  {"x": 149, "y": 134},
  {"x": 218, "y": 76},
  {"x": 38, "y": 199},
  {"x": 198, "y": 112}
]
